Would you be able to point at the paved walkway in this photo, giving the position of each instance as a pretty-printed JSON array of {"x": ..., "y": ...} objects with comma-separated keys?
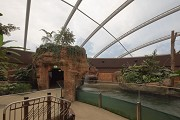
[{"x": 82, "y": 111}]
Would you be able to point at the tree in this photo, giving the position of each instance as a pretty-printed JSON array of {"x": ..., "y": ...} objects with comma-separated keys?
[
  {"x": 49, "y": 38},
  {"x": 64, "y": 37},
  {"x": 4, "y": 59},
  {"x": 148, "y": 71},
  {"x": 5, "y": 30}
]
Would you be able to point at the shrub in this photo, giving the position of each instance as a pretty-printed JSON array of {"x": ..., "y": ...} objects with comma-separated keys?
[
  {"x": 148, "y": 71},
  {"x": 22, "y": 74},
  {"x": 12, "y": 88}
]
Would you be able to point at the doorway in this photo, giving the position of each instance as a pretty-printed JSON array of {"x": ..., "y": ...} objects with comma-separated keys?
[{"x": 56, "y": 78}]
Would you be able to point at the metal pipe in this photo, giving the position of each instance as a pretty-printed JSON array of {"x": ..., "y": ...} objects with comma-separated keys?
[
  {"x": 70, "y": 16},
  {"x": 158, "y": 17},
  {"x": 99, "y": 25},
  {"x": 27, "y": 22},
  {"x": 107, "y": 20},
  {"x": 72, "y": 13},
  {"x": 147, "y": 44}
]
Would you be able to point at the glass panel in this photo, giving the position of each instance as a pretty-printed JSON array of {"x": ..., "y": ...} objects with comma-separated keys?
[
  {"x": 99, "y": 40},
  {"x": 51, "y": 15},
  {"x": 114, "y": 51}
]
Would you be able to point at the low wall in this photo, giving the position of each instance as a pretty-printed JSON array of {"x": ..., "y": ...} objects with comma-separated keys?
[
  {"x": 177, "y": 82},
  {"x": 121, "y": 107},
  {"x": 154, "y": 89}
]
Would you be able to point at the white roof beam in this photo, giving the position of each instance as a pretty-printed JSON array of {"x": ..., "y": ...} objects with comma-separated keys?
[
  {"x": 27, "y": 22},
  {"x": 107, "y": 20},
  {"x": 169, "y": 12},
  {"x": 147, "y": 44},
  {"x": 71, "y": 14},
  {"x": 98, "y": 24}
]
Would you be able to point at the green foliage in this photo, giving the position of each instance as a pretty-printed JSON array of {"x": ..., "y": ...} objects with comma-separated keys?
[
  {"x": 48, "y": 47},
  {"x": 1, "y": 39},
  {"x": 6, "y": 29},
  {"x": 49, "y": 36},
  {"x": 14, "y": 88},
  {"x": 175, "y": 73},
  {"x": 64, "y": 37},
  {"x": 4, "y": 64},
  {"x": 4, "y": 58},
  {"x": 148, "y": 71},
  {"x": 54, "y": 42},
  {"x": 23, "y": 74},
  {"x": 72, "y": 51}
]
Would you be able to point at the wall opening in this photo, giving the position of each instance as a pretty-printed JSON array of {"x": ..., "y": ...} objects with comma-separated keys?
[{"x": 56, "y": 78}]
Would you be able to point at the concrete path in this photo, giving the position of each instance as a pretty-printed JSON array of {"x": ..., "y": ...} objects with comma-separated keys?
[{"x": 82, "y": 111}]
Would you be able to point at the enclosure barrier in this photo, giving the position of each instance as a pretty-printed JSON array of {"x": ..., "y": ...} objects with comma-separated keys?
[
  {"x": 132, "y": 111},
  {"x": 41, "y": 108}
]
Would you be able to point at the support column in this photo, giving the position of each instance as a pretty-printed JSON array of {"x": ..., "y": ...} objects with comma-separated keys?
[
  {"x": 69, "y": 84},
  {"x": 172, "y": 51},
  {"x": 173, "y": 55}
]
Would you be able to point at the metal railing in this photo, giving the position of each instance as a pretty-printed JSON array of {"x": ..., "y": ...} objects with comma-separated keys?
[
  {"x": 41, "y": 108},
  {"x": 58, "y": 83}
]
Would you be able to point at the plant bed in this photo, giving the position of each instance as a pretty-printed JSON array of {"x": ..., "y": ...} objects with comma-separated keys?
[
  {"x": 13, "y": 88},
  {"x": 152, "y": 89}
]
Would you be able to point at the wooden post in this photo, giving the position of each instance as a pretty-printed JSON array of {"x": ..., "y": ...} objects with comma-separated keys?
[
  {"x": 100, "y": 100},
  {"x": 138, "y": 111},
  {"x": 172, "y": 51},
  {"x": 48, "y": 106},
  {"x": 26, "y": 104},
  {"x": 173, "y": 55}
]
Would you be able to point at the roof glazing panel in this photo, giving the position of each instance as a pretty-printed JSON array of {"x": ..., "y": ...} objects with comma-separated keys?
[{"x": 51, "y": 15}]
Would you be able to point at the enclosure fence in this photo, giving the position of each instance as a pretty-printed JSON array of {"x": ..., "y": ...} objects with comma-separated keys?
[
  {"x": 41, "y": 108},
  {"x": 132, "y": 111}
]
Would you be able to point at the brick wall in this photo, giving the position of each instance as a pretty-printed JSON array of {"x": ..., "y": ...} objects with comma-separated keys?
[{"x": 105, "y": 76}]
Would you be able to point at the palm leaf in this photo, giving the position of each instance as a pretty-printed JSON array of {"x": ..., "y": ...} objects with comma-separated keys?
[
  {"x": 8, "y": 41},
  {"x": 45, "y": 31},
  {"x": 1, "y": 40},
  {"x": 12, "y": 52}
]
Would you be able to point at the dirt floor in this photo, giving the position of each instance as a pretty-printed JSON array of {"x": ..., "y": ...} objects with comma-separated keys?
[{"x": 82, "y": 111}]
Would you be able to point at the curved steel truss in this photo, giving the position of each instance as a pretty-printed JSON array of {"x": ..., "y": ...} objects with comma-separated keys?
[
  {"x": 107, "y": 20},
  {"x": 125, "y": 4},
  {"x": 158, "y": 17},
  {"x": 103, "y": 23},
  {"x": 147, "y": 44}
]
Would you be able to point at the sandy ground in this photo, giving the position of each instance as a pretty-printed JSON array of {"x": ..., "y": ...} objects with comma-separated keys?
[{"x": 82, "y": 111}]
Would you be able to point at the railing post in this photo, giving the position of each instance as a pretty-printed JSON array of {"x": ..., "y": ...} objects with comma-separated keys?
[
  {"x": 138, "y": 111},
  {"x": 48, "y": 106},
  {"x": 100, "y": 100},
  {"x": 61, "y": 109},
  {"x": 65, "y": 113},
  {"x": 61, "y": 93},
  {"x": 4, "y": 116},
  {"x": 26, "y": 104}
]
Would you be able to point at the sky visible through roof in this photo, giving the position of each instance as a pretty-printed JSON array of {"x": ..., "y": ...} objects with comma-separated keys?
[{"x": 52, "y": 14}]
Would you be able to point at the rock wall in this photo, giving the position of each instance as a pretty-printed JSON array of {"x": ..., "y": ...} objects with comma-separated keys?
[{"x": 67, "y": 63}]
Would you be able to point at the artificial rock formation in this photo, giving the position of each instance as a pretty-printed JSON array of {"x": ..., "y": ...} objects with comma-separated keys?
[{"x": 74, "y": 65}]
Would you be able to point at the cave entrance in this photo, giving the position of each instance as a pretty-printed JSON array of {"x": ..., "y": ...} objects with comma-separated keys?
[{"x": 56, "y": 78}]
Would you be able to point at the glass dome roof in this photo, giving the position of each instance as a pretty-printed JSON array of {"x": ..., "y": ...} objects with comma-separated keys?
[{"x": 106, "y": 29}]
